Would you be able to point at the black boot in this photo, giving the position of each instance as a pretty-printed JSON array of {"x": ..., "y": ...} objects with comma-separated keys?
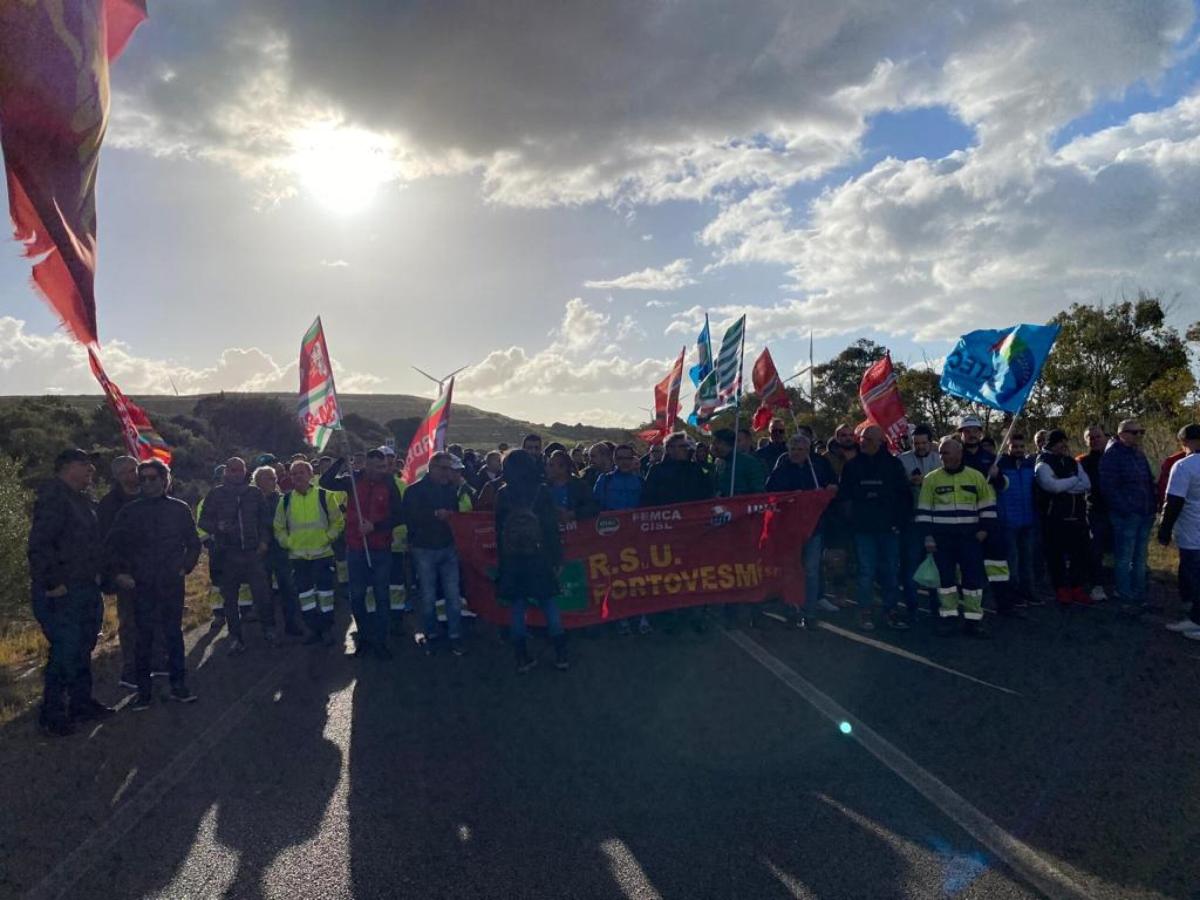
[{"x": 560, "y": 653}]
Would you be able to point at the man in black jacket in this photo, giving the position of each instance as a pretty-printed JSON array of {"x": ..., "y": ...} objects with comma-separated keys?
[
  {"x": 878, "y": 502},
  {"x": 65, "y": 556},
  {"x": 235, "y": 515},
  {"x": 124, "y": 490},
  {"x": 152, "y": 546},
  {"x": 428, "y": 505},
  {"x": 677, "y": 479}
]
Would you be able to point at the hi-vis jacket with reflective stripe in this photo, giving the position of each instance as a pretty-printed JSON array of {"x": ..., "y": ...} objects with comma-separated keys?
[
  {"x": 306, "y": 525},
  {"x": 951, "y": 501}
]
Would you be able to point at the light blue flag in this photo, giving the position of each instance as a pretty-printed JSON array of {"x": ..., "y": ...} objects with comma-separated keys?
[
  {"x": 704, "y": 359},
  {"x": 998, "y": 368}
]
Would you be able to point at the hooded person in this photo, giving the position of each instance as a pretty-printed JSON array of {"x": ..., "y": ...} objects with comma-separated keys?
[{"x": 529, "y": 550}]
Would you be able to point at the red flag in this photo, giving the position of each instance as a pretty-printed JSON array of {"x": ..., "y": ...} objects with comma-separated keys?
[
  {"x": 54, "y": 60},
  {"x": 430, "y": 437},
  {"x": 769, "y": 386},
  {"x": 879, "y": 394},
  {"x": 141, "y": 440},
  {"x": 666, "y": 403}
]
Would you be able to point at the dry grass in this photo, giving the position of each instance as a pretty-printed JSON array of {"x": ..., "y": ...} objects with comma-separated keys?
[{"x": 23, "y": 648}]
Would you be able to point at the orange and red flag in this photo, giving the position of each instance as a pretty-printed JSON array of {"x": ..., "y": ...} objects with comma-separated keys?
[
  {"x": 666, "y": 404},
  {"x": 769, "y": 386},
  {"x": 141, "y": 440},
  {"x": 54, "y": 57}
]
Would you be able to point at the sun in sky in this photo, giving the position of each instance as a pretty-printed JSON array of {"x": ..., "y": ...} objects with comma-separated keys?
[{"x": 343, "y": 168}]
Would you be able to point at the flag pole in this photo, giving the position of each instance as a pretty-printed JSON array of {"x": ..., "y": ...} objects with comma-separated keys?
[
  {"x": 349, "y": 454},
  {"x": 812, "y": 396},
  {"x": 737, "y": 410}
]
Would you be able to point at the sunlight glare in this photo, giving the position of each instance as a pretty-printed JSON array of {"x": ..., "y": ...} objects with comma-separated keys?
[{"x": 342, "y": 167}]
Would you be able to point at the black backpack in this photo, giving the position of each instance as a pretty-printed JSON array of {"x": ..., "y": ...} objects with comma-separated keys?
[{"x": 522, "y": 534}]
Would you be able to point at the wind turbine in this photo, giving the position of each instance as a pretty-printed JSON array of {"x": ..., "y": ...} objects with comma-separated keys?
[{"x": 441, "y": 382}]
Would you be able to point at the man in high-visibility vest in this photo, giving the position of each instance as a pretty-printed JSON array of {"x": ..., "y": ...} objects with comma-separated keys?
[
  {"x": 307, "y": 522},
  {"x": 956, "y": 512}
]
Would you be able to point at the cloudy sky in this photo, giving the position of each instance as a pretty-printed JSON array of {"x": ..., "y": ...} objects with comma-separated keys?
[{"x": 555, "y": 192}]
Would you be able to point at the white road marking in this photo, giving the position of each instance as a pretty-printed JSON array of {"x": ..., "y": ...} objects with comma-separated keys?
[
  {"x": 628, "y": 872},
  {"x": 1018, "y": 856},
  {"x": 912, "y": 657}
]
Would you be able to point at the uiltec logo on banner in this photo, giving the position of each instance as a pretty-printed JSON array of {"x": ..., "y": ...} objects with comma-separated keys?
[{"x": 633, "y": 562}]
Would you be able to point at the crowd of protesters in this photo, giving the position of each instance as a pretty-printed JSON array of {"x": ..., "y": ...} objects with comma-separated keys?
[{"x": 946, "y": 518}]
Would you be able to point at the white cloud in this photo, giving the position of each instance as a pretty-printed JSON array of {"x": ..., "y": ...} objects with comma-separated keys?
[
  {"x": 933, "y": 248},
  {"x": 776, "y": 94},
  {"x": 334, "y": 264},
  {"x": 658, "y": 304},
  {"x": 628, "y": 328},
  {"x": 570, "y": 365},
  {"x": 603, "y": 417},
  {"x": 671, "y": 277},
  {"x": 55, "y": 363}
]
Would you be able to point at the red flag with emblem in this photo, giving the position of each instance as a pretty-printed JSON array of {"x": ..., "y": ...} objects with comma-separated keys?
[
  {"x": 141, "y": 440},
  {"x": 666, "y": 403},
  {"x": 430, "y": 437},
  {"x": 54, "y": 58},
  {"x": 879, "y": 393},
  {"x": 769, "y": 387}
]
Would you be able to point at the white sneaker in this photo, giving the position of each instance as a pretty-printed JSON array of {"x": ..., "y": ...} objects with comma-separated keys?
[
  {"x": 825, "y": 606},
  {"x": 1183, "y": 625},
  {"x": 1098, "y": 595}
]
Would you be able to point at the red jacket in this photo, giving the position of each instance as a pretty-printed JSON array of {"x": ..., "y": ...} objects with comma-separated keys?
[{"x": 377, "y": 502}]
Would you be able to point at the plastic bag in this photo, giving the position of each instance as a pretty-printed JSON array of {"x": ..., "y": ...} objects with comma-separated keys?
[{"x": 927, "y": 575}]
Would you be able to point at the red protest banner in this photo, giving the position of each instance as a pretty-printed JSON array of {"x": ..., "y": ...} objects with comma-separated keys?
[{"x": 640, "y": 561}]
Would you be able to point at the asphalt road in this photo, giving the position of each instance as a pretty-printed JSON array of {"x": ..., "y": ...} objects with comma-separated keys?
[{"x": 659, "y": 766}]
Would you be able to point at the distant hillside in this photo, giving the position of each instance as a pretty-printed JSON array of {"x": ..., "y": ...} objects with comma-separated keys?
[{"x": 469, "y": 426}]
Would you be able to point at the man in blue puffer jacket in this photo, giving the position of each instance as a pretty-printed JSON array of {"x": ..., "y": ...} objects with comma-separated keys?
[
  {"x": 1128, "y": 489},
  {"x": 1017, "y": 518}
]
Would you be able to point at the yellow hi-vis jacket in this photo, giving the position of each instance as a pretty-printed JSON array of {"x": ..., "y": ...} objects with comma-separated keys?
[{"x": 306, "y": 525}]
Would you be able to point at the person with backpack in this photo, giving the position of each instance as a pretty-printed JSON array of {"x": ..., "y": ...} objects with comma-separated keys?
[
  {"x": 529, "y": 550},
  {"x": 307, "y": 523},
  {"x": 1065, "y": 485}
]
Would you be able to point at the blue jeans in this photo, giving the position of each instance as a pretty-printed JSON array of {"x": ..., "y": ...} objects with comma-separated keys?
[
  {"x": 812, "y": 568},
  {"x": 70, "y": 623},
  {"x": 431, "y": 567},
  {"x": 878, "y": 554},
  {"x": 1018, "y": 546},
  {"x": 549, "y": 608},
  {"x": 1131, "y": 534},
  {"x": 372, "y": 623}
]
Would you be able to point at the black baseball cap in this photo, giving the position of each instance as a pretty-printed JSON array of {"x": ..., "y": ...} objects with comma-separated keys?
[{"x": 73, "y": 455}]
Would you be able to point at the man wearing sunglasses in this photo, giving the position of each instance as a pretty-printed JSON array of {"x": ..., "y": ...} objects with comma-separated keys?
[
  {"x": 778, "y": 446},
  {"x": 153, "y": 545},
  {"x": 1128, "y": 488}
]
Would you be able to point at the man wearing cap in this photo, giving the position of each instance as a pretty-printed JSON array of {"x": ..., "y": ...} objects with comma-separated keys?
[
  {"x": 995, "y": 554},
  {"x": 1181, "y": 516},
  {"x": 236, "y": 516},
  {"x": 428, "y": 505},
  {"x": 65, "y": 558},
  {"x": 1128, "y": 488},
  {"x": 373, "y": 510}
]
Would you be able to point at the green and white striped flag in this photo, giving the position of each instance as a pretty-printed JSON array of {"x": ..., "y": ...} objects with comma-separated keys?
[{"x": 729, "y": 365}]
